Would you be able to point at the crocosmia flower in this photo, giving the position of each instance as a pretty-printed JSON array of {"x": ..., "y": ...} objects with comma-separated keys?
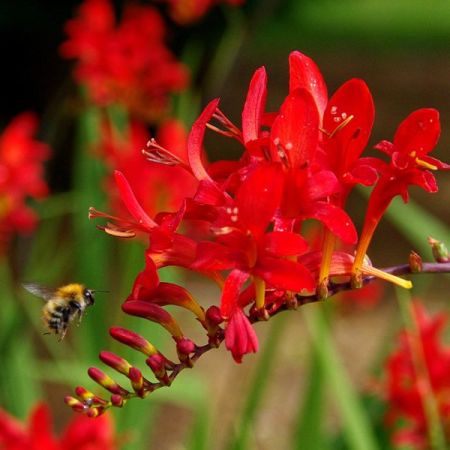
[
  {"x": 37, "y": 434},
  {"x": 409, "y": 165},
  {"x": 417, "y": 374},
  {"x": 21, "y": 175},
  {"x": 126, "y": 61},
  {"x": 242, "y": 226}
]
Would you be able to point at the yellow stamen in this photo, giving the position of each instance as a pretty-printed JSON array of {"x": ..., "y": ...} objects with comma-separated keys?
[
  {"x": 370, "y": 270},
  {"x": 421, "y": 162},
  {"x": 341, "y": 125}
]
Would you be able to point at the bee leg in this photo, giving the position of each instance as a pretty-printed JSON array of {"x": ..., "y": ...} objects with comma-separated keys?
[{"x": 62, "y": 333}]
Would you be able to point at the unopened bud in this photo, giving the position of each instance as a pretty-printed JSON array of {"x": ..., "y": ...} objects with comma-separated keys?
[
  {"x": 106, "y": 381},
  {"x": 88, "y": 397},
  {"x": 75, "y": 404},
  {"x": 184, "y": 348},
  {"x": 158, "y": 365},
  {"x": 415, "y": 262},
  {"x": 137, "y": 381},
  {"x": 213, "y": 316},
  {"x": 117, "y": 400},
  {"x": 440, "y": 252},
  {"x": 116, "y": 362},
  {"x": 133, "y": 340}
]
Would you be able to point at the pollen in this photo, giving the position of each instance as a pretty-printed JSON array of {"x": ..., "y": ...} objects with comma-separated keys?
[{"x": 289, "y": 146}]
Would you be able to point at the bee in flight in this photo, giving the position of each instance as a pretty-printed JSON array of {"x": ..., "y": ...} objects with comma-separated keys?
[{"x": 62, "y": 305}]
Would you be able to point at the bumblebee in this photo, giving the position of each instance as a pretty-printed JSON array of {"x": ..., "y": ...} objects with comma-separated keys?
[{"x": 62, "y": 305}]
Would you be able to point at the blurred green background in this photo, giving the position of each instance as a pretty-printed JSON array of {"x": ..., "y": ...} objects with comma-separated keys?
[{"x": 303, "y": 389}]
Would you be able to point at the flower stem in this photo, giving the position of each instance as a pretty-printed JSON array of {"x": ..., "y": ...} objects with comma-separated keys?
[{"x": 327, "y": 254}]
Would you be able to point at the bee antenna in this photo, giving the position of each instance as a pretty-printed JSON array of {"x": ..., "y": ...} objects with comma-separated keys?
[{"x": 98, "y": 290}]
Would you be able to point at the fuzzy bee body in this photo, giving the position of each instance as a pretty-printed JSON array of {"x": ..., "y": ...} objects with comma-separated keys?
[{"x": 62, "y": 305}]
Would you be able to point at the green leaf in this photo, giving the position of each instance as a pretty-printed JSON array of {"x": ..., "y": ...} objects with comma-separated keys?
[
  {"x": 309, "y": 434},
  {"x": 356, "y": 426}
]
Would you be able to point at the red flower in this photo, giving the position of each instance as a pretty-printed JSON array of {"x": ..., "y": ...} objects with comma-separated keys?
[
  {"x": 418, "y": 372},
  {"x": 21, "y": 174},
  {"x": 81, "y": 433},
  {"x": 410, "y": 165},
  {"x": 127, "y": 62}
]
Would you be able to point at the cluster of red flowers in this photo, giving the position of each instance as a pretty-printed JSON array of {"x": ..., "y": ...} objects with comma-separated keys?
[
  {"x": 417, "y": 373},
  {"x": 21, "y": 175},
  {"x": 242, "y": 227},
  {"x": 80, "y": 434},
  {"x": 126, "y": 63},
  {"x": 156, "y": 186}
]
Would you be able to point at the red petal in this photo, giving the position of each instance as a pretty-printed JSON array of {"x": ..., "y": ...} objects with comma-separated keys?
[
  {"x": 41, "y": 428},
  {"x": 284, "y": 274},
  {"x": 258, "y": 197},
  {"x": 321, "y": 184},
  {"x": 195, "y": 141},
  {"x": 130, "y": 201},
  {"x": 295, "y": 131},
  {"x": 335, "y": 219},
  {"x": 240, "y": 337},
  {"x": 345, "y": 144},
  {"x": 254, "y": 106},
  {"x": 418, "y": 132},
  {"x": 285, "y": 243},
  {"x": 86, "y": 433},
  {"x": 230, "y": 293},
  {"x": 362, "y": 174},
  {"x": 304, "y": 73},
  {"x": 212, "y": 256}
]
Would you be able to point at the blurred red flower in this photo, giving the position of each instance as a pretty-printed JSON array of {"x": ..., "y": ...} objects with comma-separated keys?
[
  {"x": 126, "y": 62},
  {"x": 21, "y": 174},
  {"x": 81, "y": 433},
  {"x": 418, "y": 372},
  {"x": 186, "y": 12},
  {"x": 156, "y": 186}
]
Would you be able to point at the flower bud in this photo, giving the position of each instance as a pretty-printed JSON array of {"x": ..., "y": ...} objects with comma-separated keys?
[
  {"x": 184, "y": 348},
  {"x": 213, "y": 316},
  {"x": 415, "y": 262},
  {"x": 440, "y": 252},
  {"x": 133, "y": 340},
  {"x": 75, "y": 404},
  {"x": 155, "y": 313},
  {"x": 117, "y": 400},
  {"x": 137, "y": 381},
  {"x": 158, "y": 365},
  {"x": 116, "y": 362},
  {"x": 106, "y": 381}
]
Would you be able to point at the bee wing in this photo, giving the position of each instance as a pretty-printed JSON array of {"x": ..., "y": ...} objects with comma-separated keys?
[{"x": 39, "y": 290}]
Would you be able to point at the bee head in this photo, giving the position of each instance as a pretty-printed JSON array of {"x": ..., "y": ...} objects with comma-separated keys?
[{"x": 88, "y": 295}]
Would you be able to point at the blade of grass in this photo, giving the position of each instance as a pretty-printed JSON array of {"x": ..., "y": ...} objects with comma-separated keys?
[
  {"x": 356, "y": 426},
  {"x": 92, "y": 249},
  {"x": 309, "y": 434}
]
